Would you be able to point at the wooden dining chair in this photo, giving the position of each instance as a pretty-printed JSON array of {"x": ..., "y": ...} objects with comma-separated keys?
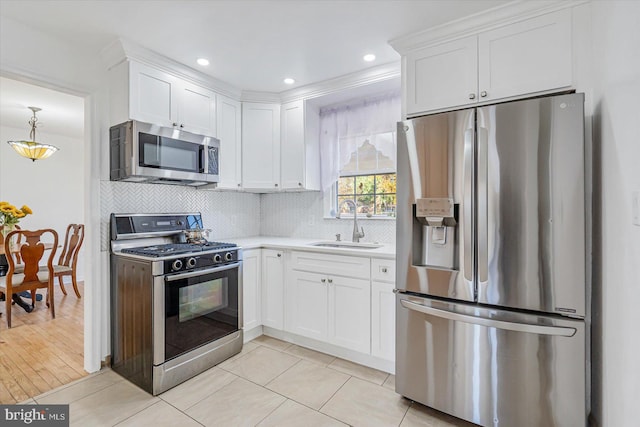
[
  {"x": 68, "y": 262},
  {"x": 31, "y": 277}
]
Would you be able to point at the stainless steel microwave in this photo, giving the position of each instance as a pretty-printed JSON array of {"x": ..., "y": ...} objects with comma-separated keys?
[{"x": 142, "y": 152}]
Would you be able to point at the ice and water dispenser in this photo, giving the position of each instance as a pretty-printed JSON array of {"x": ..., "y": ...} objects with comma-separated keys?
[{"x": 435, "y": 233}]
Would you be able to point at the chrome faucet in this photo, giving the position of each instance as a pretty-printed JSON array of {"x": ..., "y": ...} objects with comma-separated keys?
[{"x": 356, "y": 234}]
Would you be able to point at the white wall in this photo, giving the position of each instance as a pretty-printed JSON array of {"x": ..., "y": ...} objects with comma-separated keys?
[
  {"x": 616, "y": 53},
  {"x": 301, "y": 215},
  {"x": 52, "y": 188}
]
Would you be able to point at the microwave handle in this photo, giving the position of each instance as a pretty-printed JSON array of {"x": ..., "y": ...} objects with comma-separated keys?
[{"x": 211, "y": 160}]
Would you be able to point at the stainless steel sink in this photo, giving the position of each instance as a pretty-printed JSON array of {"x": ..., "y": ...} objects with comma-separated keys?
[{"x": 347, "y": 245}]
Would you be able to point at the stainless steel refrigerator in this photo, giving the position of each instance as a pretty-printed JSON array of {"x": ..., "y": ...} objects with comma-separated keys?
[{"x": 490, "y": 298}]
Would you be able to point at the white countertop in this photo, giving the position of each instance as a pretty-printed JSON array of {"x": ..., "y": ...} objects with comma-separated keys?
[{"x": 388, "y": 250}]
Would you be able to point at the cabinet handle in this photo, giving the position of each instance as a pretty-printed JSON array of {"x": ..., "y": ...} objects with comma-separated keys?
[
  {"x": 279, "y": 255},
  {"x": 175, "y": 124},
  {"x": 299, "y": 184},
  {"x": 483, "y": 93},
  {"x": 472, "y": 96},
  {"x": 384, "y": 269},
  {"x": 239, "y": 184},
  {"x": 330, "y": 280},
  {"x": 276, "y": 185},
  {"x": 323, "y": 280},
  {"x": 182, "y": 125}
]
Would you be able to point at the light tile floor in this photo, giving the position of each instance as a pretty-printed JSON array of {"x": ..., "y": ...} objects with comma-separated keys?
[{"x": 270, "y": 383}]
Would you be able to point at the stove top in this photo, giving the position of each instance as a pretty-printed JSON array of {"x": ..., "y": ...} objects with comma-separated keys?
[{"x": 157, "y": 251}]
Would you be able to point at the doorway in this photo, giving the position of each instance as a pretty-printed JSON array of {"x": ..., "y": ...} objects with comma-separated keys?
[{"x": 40, "y": 353}]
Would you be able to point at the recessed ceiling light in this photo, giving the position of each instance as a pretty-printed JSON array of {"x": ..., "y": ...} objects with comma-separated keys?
[
  {"x": 289, "y": 81},
  {"x": 369, "y": 57},
  {"x": 203, "y": 61}
]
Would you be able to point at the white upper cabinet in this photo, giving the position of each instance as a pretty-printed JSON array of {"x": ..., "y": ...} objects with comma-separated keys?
[
  {"x": 196, "y": 109},
  {"x": 150, "y": 95},
  {"x": 442, "y": 75},
  {"x": 526, "y": 57},
  {"x": 260, "y": 146},
  {"x": 299, "y": 152},
  {"x": 229, "y": 125}
]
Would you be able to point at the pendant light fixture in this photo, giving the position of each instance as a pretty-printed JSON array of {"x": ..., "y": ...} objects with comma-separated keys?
[{"x": 32, "y": 149}]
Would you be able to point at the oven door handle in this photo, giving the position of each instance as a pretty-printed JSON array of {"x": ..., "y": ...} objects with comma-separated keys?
[{"x": 201, "y": 272}]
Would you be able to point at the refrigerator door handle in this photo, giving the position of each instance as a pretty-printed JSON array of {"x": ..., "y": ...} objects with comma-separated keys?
[
  {"x": 491, "y": 323},
  {"x": 482, "y": 225},
  {"x": 467, "y": 214}
]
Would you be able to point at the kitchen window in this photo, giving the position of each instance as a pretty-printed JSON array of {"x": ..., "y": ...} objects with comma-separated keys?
[{"x": 358, "y": 157}]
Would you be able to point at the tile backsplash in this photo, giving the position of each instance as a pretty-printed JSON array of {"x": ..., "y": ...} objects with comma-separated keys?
[
  {"x": 301, "y": 215},
  {"x": 227, "y": 214},
  {"x": 236, "y": 214}
]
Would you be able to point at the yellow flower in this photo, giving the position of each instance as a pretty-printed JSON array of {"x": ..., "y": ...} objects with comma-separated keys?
[
  {"x": 20, "y": 214},
  {"x": 7, "y": 209},
  {"x": 26, "y": 209},
  {"x": 3, "y": 203}
]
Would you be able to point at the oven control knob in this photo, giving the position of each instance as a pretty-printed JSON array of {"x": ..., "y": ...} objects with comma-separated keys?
[
  {"x": 217, "y": 258},
  {"x": 191, "y": 262},
  {"x": 228, "y": 256},
  {"x": 177, "y": 265}
]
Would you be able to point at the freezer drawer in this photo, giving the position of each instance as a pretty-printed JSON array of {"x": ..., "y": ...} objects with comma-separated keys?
[{"x": 491, "y": 367}]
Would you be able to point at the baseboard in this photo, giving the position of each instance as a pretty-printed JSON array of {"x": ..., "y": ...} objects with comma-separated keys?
[
  {"x": 388, "y": 366},
  {"x": 252, "y": 333}
]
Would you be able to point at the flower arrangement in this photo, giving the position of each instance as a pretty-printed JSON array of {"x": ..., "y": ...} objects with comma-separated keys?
[{"x": 10, "y": 215}]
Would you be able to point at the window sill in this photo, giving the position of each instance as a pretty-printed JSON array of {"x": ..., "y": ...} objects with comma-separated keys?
[{"x": 362, "y": 218}]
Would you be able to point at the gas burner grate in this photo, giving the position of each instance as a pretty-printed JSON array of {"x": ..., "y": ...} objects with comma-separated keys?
[{"x": 177, "y": 248}]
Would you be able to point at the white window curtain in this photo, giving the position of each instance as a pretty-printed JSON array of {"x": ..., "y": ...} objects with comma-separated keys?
[{"x": 346, "y": 128}]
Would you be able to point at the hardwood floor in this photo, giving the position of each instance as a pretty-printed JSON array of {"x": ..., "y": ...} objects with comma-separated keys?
[{"x": 38, "y": 353}]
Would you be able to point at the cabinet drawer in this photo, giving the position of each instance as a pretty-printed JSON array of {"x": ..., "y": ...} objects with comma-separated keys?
[
  {"x": 340, "y": 265},
  {"x": 383, "y": 270}
]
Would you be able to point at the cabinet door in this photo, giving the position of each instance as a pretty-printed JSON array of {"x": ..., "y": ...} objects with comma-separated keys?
[
  {"x": 442, "y": 76},
  {"x": 251, "y": 288},
  {"x": 272, "y": 288},
  {"x": 349, "y": 313},
  {"x": 229, "y": 118},
  {"x": 525, "y": 57},
  {"x": 152, "y": 95},
  {"x": 196, "y": 109},
  {"x": 260, "y": 146},
  {"x": 292, "y": 146},
  {"x": 383, "y": 320},
  {"x": 308, "y": 304}
]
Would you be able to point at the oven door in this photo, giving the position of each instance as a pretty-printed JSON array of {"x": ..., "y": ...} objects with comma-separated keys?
[{"x": 195, "y": 308}]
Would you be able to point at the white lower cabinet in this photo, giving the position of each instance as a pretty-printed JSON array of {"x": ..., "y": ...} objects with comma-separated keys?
[
  {"x": 272, "y": 288},
  {"x": 325, "y": 305},
  {"x": 383, "y": 320},
  {"x": 251, "y": 301},
  {"x": 330, "y": 308},
  {"x": 350, "y": 313}
]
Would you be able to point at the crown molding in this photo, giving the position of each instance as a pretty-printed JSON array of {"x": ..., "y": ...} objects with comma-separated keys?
[
  {"x": 479, "y": 22},
  {"x": 262, "y": 97},
  {"x": 121, "y": 50},
  {"x": 348, "y": 81}
]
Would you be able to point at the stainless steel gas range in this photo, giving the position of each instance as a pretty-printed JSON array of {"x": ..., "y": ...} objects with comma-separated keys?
[{"x": 176, "y": 307}]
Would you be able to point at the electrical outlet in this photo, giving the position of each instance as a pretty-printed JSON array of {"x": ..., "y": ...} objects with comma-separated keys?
[{"x": 635, "y": 207}]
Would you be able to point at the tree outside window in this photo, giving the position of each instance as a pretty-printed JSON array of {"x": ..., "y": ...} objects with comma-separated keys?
[{"x": 369, "y": 179}]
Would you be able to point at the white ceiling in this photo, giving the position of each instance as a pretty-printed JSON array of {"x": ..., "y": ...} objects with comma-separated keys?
[
  {"x": 61, "y": 114},
  {"x": 252, "y": 44}
]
